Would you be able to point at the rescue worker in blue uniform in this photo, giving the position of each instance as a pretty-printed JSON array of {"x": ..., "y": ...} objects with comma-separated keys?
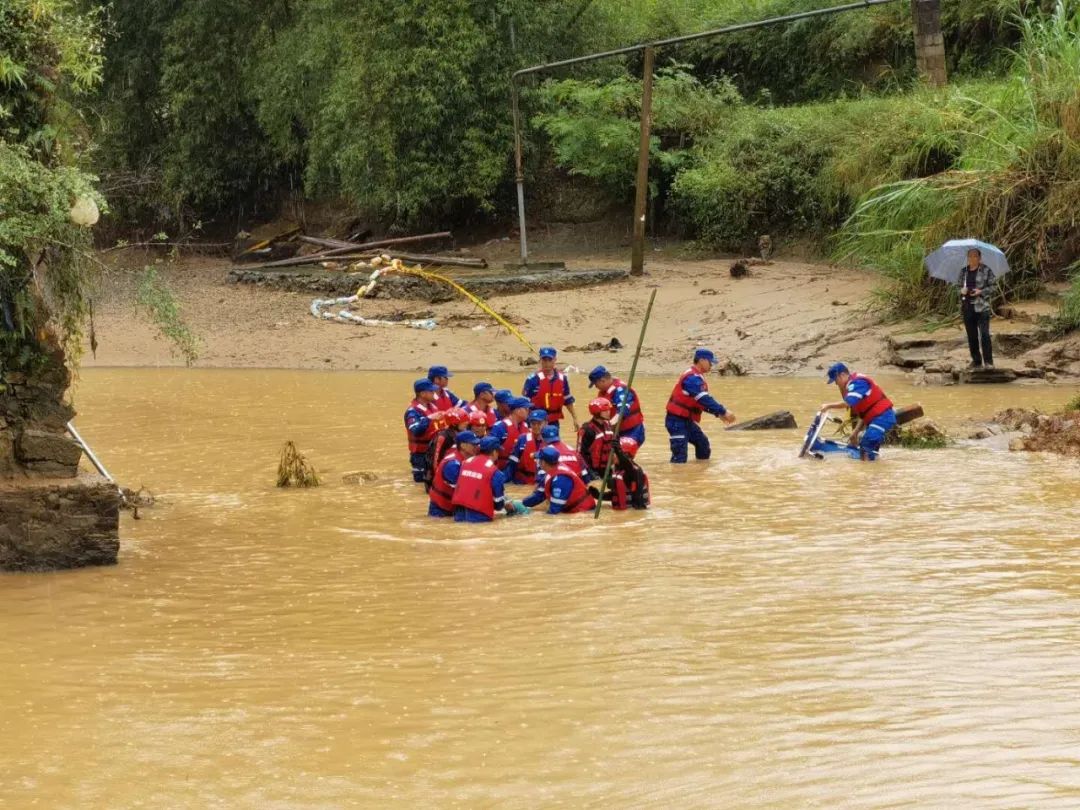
[
  {"x": 562, "y": 488},
  {"x": 873, "y": 411},
  {"x": 445, "y": 399},
  {"x": 522, "y": 466},
  {"x": 423, "y": 420},
  {"x": 479, "y": 495},
  {"x": 689, "y": 399},
  {"x": 503, "y": 398},
  {"x": 625, "y": 400},
  {"x": 548, "y": 389},
  {"x": 444, "y": 482},
  {"x": 567, "y": 454}
]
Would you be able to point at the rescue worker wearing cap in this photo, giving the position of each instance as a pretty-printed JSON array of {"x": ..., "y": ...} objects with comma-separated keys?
[
  {"x": 442, "y": 443},
  {"x": 510, "y": 429},
  {"x": 567, "y": 454},
  {"x": 483, "y": 402},
  {"x": 521, "y": 468},
  {"x": 503, "y": 398},
  {"x": 563, "y": 489},
  {"x": 624, "y": 399},
  {"x": 479, "y": 496},
  {"x": 597, "y": 436},
  {"x": 689, "y": 399},
  {"x": 422, "y": 421},
  {"x": 629, "y": 483},
  {"x": 873, "y": 411},
  {"x": 478, "y": 423},
  {"x": 444, "y": 398},
  {"x": 441, "y": 493},
  {"x": 549, "y": 389}
]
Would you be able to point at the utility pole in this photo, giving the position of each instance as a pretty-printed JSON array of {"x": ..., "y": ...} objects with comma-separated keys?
[
  {"x": 929, "y": 43},
  {"x": 641, "y": 195}
]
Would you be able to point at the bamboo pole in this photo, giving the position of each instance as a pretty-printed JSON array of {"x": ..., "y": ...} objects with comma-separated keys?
[
  {"x": 339, "y": 252},
  {"x": 619, "y": 418}
]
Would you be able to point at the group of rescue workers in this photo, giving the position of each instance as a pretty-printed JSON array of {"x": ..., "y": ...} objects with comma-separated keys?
[{"x": 465, "y": 453}]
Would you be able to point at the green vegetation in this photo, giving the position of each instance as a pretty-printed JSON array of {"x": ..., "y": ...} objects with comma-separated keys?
[
  {"x": 1073, "y": 404},
  {"x": 161, "y": 305}
]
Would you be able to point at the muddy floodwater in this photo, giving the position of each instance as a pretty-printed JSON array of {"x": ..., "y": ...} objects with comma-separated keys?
[{"x": 773, "y": 633}]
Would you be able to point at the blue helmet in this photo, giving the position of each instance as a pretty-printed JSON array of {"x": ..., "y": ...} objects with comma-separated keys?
[
  {"x": 705, "y": 354},
  {"x": 835, "y": 370},
  {"x": 424, "y": 385},
  {"x": 549, "y": 455},
  {"x": 467, "y": 437},
  {"x": 550, "y": 434},
  {"x": 489, "y": 444},
  {"x": 538, "y": 416}
]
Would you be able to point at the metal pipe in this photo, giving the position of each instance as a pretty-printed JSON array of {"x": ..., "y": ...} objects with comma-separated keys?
[
  {"x": 95, "y": 461},
  {"x": 641, "y": 199}
]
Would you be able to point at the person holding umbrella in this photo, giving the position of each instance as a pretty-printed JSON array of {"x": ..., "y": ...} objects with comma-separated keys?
[{"x": 984, "y": 265}]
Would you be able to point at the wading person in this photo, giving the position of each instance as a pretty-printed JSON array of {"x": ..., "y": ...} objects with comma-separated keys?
[
  {"x": 478, "y": 496},
  {"x": 478, "y": 423},
  {"x": 597, "y": 437},
  {"x": 455, "y": 420},
  {"x": 484, "y": 402},
  {"x": 549, "y": 389},
  {"x": 422, "y": 421},
  {"x": 872, "y": 410},
  {"x": 629, "y": 483},
  {"x": 441, "y": 493},
  {"x": 510, "y": 429},
  {"x": 567, "y": 454},
  {"x": 689, "y": 400},
  {"x": 625, "y": 399},
  {"x": 563, "y": 489},
  {"x": 976, "y": 289},
  {"x": 444, "y": 398},
  {"x": 522, "y": 466},
  {"x": 503, "y": 398}
]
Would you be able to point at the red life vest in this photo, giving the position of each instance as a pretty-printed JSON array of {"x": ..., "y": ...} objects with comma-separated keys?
[
  {"x": 600, "y": 446},
  {"x": 873, "y": 404},
  {"x": 550, "y": 395},
  {"x": 443, "y": 402},
  {"x": 569, "y": 457},
  {"x": 513, "y": 432},
  {"x": 623, "y": 493},
  {"x": 681, "y": 404},
  {"x": 527, "y": 465},
  {"x": 473, "y": 490},
  {"x": 489, "y": 413},
  {"x": 580, "y": 500},
  {"x": 419, "y": 444},
  {"x": 633, "y": 417},
  {"x": 441, "y": 492}
]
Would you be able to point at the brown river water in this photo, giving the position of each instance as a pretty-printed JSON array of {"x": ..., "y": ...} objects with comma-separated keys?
[{"x": 775, "y": 632}]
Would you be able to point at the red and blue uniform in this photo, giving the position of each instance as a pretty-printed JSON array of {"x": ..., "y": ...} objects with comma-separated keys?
[
  {"x": 489, "y": 413},
  {"x": 508, "y": 433},
  {"x": 869, "y": 403},
  {"x": 479, "y": 491},
  {"x": 548, "y": 391},
  {"x": 420, "y": 429},
  {"x": 445, "y": 399},
  {"x": 689, "y": 399},
  {"x": 521, "y": 467},
  {"x": 626, "y": 401},
  {"x": 564, "y": 491},
  {"x": 595, "y": 445},
  {"x": 571, "y": 458},
  {"x": 441, "y": 493}
]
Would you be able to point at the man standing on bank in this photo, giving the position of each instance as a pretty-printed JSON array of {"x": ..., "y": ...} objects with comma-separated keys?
[
  {"x": 689, "y": 399},
  {"x": 976, "y": 289}
]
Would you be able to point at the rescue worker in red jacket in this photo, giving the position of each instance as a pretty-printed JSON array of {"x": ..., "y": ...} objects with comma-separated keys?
[
  {"x": 479, "y": 495},
  {"x": 445, "y": 399},
  {"x": 624, "y": 399},
  {"x": 597, "y": 436},
  {"x": 441, "y": 493},
  {"x": 422, "y": 421},
  {"x": 563, "y": 489},
  {"x": 629, "y": 483},
  {"x": 508, "y": 430},
  {"x": 549, "y": 389},
  {"x": 567, "y": 454},
  {"x": 484, "y": 402},
  {"x": 689, "y": 399},
  {"x": 522, "y": 465},
  {"x": 478, "y": 423},
  {"x": 455, "y": 420},
  {"x": 872, "y": 409}
]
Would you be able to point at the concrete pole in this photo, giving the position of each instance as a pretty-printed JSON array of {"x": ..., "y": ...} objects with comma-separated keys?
[
  {"x": 637, "y": 260},
  {"x": 929, "y": 43}
]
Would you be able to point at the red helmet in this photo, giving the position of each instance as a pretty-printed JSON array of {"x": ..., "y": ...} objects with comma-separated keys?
[
  {"x": 478, "y": 418},
  {"x": 455, "y": 416},
  {"x": 599, "y": 405},
  {"x": 629, "y": 446}
]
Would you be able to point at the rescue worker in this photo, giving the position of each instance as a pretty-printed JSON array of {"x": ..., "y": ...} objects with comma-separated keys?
[
  {"x": 624, "y": 399},
  {"x": 549, "y": 389},
  {"x": 563, "y": 488},
  {"x": 455, "y": 420},
  {"x": 510, "y": 429},
  {"x": 597, "y": 436},
  {"x": 483, "y": 402},
  {"x": 478, "y": 495},
  {"x": 870, "y": 407},
  {"x": 422, "y": 421},
  {"x": 441, "y": 493},
  {"x": 522, "y": 465},
  {"x": 503, "y": 398},
  {"x": 567, "y": 454},
  {"x": 689, "y": 399},
  {"x": 479, "y": 424},
  {"x": 444, "y": 398},
  {"x": 629, "y": 483}
]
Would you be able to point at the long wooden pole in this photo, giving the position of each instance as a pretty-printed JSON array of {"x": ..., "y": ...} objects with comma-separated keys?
[
  {"x": 637, "y": 259},
  {"x": 619, "y": 418}
]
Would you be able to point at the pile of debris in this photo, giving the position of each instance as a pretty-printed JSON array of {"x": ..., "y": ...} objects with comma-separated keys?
[{"x": 1043, "y": 433}]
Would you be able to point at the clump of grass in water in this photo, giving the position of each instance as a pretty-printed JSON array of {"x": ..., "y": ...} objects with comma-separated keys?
[
  {"x": 916, "y": 441},
  {"x": 294, "y": 470}
]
